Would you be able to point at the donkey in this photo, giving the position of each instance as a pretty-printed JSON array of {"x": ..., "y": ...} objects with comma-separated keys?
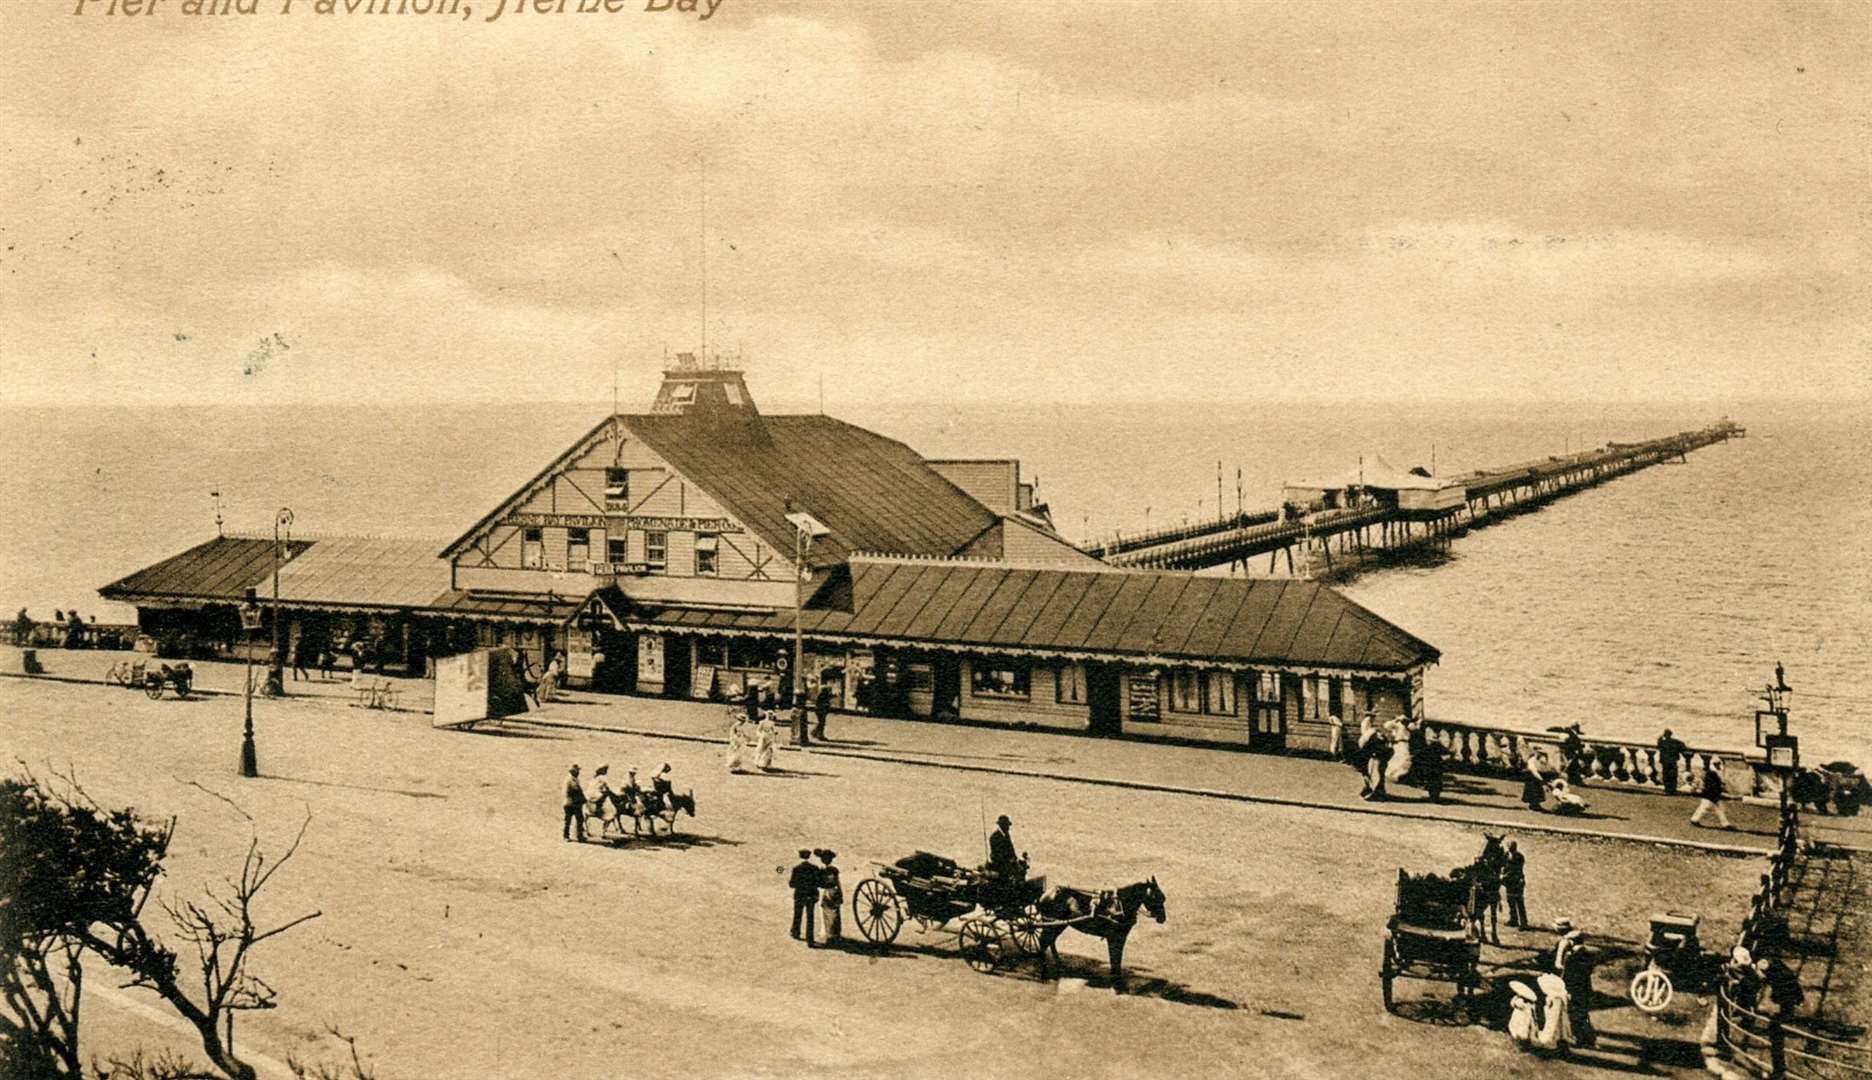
[{"x": 1106, "y": 915}]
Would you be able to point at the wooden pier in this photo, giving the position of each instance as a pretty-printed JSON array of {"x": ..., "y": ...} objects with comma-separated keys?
[{"x": 1366, "y": 524}]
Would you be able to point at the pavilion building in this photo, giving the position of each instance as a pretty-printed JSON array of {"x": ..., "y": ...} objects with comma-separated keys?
[{"x": 663, "y": 553}]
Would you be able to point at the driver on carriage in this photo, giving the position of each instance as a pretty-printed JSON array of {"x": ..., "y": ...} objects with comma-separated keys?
[{"x": 1006, "y": 872}]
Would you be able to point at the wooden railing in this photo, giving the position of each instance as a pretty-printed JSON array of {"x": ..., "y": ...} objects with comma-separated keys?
[
  {"x": 1766, "y": 1044},
  {"x": 1502, "y": 750}
]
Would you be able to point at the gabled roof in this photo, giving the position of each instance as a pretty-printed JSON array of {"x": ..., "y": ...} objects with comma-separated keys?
[
  {"x": 872, "y": 493},
  {"x": 219, "y": 569},
  {"x": 1150, "y": 616}
]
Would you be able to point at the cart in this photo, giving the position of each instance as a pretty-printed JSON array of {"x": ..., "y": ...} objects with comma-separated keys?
[
  {"x": 1671, "y": 948},
  {"x": 994, "y": 920},
  {"x": 1429, "y": 936}
]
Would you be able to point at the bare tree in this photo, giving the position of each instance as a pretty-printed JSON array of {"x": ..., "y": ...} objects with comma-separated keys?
[{"x": 76, "y": 879}]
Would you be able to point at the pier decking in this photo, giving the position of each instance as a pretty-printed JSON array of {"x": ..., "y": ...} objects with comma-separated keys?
[{"x": 1296, "y": 531}]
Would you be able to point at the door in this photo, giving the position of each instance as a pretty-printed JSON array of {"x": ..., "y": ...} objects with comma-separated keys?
[
  {"x": 1270, "y": 709},
  {"x": 1103, "y": 698},
  {"x": 677, "y": 667},
  {"x": 948, "y": 679}
]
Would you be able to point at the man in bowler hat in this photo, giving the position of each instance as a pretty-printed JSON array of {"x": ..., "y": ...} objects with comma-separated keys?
[{"x": 804, "y": 881}]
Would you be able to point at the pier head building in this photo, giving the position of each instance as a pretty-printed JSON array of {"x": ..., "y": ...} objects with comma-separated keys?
[{"x": 675, "y": 552}]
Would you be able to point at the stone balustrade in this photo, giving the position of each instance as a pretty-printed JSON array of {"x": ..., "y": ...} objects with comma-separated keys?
[{"x": 1501, "y": 751}]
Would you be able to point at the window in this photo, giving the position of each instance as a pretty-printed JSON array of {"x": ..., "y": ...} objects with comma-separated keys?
[
  {"x": 750, "y": 654},
  {"x": 578, "y": 548},
  {"x": 1209, "y": 692},
  {"x": 532, "y": 551},
  {"x": 656, "y": 549},
  {"x": 1071, "y": 688},
  {"x": 1186, "y": 691},
  {"x": 1267, "y": 687},
  {"x": 999, "y": 678},
  {"x": 1219, "y": 693},
  {"x": 617, "y": 489},
  {"x": 705, "y": 545},
  {"x": 616, "y": 550}
]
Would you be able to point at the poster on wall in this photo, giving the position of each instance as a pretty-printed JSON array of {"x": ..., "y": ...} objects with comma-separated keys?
[
  {"x": 578, "y": 653},
  {"x": 650, "y": 658},
  {"x": 1142, "y": 692}
]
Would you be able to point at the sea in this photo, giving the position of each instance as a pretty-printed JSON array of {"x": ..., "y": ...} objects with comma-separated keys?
[{"x": 1661, "y": 599}]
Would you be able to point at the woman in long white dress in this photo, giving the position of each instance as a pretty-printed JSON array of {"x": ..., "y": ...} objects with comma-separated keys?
[
  {"x": 764, "y": 749},
  {"x": 1400, "y": 749},
  {"x": 737, "y": 746}
]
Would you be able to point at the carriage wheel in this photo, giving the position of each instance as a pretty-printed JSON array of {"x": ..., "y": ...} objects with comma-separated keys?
[
  {"x": 1651, "y": 990},
  {"x": 1026, "y": 934},
  {"x": 153, "y": 688},
  {"x": 1386, "y": 974},
  {"x": 982, "y": 945},
  {"x": 876, "y": 911}
]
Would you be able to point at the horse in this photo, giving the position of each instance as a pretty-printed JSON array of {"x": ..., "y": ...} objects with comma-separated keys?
[
  {"x": 1108, "y": 915},
  {"x": 1484, "y": 879}
]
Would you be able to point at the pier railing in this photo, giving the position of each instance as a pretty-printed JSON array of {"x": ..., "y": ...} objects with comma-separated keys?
[{"x": 1504, "y": 750}]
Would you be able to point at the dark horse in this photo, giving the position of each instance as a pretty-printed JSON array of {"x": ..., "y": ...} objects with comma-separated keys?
[
  {"x": 1109, "y": 915},
  {"x": 1484, "y": 880}
]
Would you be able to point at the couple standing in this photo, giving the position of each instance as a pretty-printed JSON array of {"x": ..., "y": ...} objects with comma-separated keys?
[{"x": 816, "y": 886}]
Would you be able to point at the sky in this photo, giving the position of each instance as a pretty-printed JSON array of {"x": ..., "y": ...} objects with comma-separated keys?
[{"x": 1005, "y": 202}]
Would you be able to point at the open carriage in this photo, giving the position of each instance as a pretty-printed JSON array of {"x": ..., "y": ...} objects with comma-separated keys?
[
  {"x": 997, "y": 919},
  {"x": 1431, "y": 936},
  {"x": 137, "y": 675}
]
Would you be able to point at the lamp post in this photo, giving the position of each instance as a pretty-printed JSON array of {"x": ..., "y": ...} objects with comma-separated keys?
[
  {"x": 806, "y": 529},
  {"x": 250, "y": 621},
  {"x": 276, "y": 674}
]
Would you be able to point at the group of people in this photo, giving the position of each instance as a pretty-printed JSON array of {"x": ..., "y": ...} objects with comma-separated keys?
[
  {"x": 816, "y": 886},
  {"x": 1556, "y": 1011},
  {"x": 751, "y": 738},
  {"x": 579, "y": 805},
  {"x": 1396, "y": 752},
  {"x": 755, "y": 734}
]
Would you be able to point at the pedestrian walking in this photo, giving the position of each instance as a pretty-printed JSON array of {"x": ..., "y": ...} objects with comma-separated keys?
[
  {"x": 326, "y": 661},
  {"x": 1712, "y": 796},
  {"x": 574, "y": 806},
  {"x": 831, "y": 896},
  {"x": 1514, "y": 880},
  {"x": 804, "y": 881},
  {"x": 301, "y": 652},
  {"x": 1670, "y": 751},
  {"x": 822, "y": 706}
]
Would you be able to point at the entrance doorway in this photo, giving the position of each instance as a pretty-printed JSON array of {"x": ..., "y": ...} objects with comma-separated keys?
[
  {"x": 1270, "y": 709},
  {"x": 1103, "y": 698},
  {"x": 678, "y": 668},
  {"x": 948, "y": 688}
]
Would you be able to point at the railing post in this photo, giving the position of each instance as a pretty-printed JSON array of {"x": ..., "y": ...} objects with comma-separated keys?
[{"x": 1777, "y": 1048}]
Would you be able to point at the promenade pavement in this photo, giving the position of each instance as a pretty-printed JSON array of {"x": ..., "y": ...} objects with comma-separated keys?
[{"x": 1613, "y": 810}]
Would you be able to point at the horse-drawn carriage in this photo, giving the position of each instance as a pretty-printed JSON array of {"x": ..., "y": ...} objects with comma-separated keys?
[
  {"x": 997, "y": 917},
  {"x": 1433, "y": 934},
  {"x": 136, "y": 675}
]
